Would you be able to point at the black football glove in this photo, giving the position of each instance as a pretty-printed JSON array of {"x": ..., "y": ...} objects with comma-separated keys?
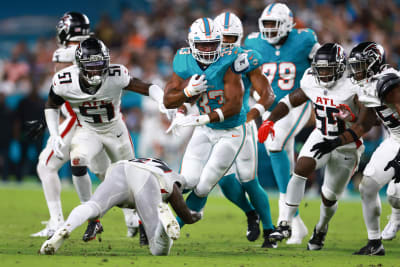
[
  {"x": 395, "y": 164},
  {"x": 325, "y": 147},
  {"x": 35, "y": 129}
]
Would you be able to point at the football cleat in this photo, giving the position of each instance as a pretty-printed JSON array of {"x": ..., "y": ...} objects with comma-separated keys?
[
  {"x": 317, "y": 239},
  {"x": 49, "y": 230},
  {"x": 51, "y": 245},
  {"x": 283, "y": 231},
  {"x": 253, "y": 225},
  {"x": 268, "y": 243},
  {"x": 390, "y": 230},
  {"x": 168, "y": 221},
  {"x": 143, "y": 241},
  {"x": 132, "y": 223},
  {"x": 373, "y": 248},
  {"x": 299, "y": 231},
  {"x": 93, "y": 229}
]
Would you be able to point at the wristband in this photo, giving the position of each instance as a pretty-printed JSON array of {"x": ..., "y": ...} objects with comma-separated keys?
[
  {"x": 260, "y": 108},
  {"x": 187, "y": 94},
  {"x": 220, "y": 114},
  {"x": 353, "y": 134}
]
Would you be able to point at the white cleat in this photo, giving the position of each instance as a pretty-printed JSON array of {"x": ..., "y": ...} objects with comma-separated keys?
[
  {"x": 132, "y": 222},
  {"x": 299, "y": 231},
  {"x": 49, "y": 230},
  {"x": 390, "y": 230},
  {"x": 168, "y": 221},
  {"x": 50, "y": 246}
]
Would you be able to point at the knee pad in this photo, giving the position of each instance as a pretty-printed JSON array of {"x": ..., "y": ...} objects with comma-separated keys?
[
  {"x": 328, "y": 197},
  {"x": 368, "y": 186},
  {"x": 393, "y": 194},
  {"x": 78, "y": 170}
]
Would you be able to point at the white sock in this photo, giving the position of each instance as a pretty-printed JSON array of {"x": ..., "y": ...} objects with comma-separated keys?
[
  {"x": 83, "y": 186},
  {"x": 326, "y": 213},
  {"x": 52, "y": 191},
  {"x": 79, "y": 215},
  {"x": 294, "y": 195},
  {"x": 395, "y": 215},
  {"x": 55, "y": 210},
  {"x": 371, "y": 205},
  {"x": 282, "y": 198},
  {"x": 131, "y": 217}
]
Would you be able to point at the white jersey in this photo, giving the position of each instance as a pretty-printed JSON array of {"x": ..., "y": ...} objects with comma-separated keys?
[
  {"x": 326, "y": 100},
  {"x": 368, "y": 95},
  {"x": 65, "y": 54},
  {"x": 165, "y": 176},
  {"x": 100, "y": 111}
]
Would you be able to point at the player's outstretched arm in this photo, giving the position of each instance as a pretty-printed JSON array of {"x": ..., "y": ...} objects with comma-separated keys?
[
  {"x": 263, "y": 88},
  {"x": 178, "y": 204}
]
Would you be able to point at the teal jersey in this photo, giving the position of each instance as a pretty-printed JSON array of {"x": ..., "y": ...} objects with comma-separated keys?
[
  {"x": 185, "y": 66},
  {"x": 284, "y": 66},
  {"x": 255, "y": 61}
]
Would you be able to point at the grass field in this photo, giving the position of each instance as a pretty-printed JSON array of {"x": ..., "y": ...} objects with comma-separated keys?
[{"x": 218, "y": 240}]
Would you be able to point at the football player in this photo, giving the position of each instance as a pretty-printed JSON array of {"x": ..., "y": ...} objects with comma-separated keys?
[
  {"x": 144, "y": 184},
  {"x": 220, "y": 129},
  {"x": 284, "y": 63},
  {"x": 378, "y": 91},
  {"x": 329, "y": 90},
  {"x": 72, "y": 28},
  {"x": 93, "y": 88},
  {"x": 246, "y": 162}
]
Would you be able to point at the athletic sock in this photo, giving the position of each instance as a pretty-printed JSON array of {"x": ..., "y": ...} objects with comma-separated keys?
[
  {"x": 325, "y": 216},
  {"x": 259, "y": 199},
  {"x": 83, "y": 186},
  {"x": 281, "y": 168},
  {"x": 194, "y": 203},
  {"x": 233, "y": 191}
]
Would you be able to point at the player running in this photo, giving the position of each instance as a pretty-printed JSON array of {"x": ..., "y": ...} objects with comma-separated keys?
[
  {"x": 329, "y": 90},
  {"x": 245, "y": 165},
  {"x": 220, "y": 129},
  {"x": 286, "y": 54},
  {"x": 144, "y": 184},
  {"x": 378, "y": 86},
  {"x": 93, "y": 88}
]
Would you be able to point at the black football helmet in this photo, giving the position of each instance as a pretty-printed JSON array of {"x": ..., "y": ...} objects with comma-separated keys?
[
  {"x": 93, "y": 60},
  {"x": 329, "y": 64},
  {"x": 73, "y": 26},
  {"x": 386, "y": 83},
  {"x": 366, "y": 59}
]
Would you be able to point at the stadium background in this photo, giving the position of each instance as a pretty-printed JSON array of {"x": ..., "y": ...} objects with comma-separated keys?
[{"x": 144, "y": 35}]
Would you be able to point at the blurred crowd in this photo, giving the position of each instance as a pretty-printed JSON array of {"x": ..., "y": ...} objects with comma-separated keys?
[{"x": 146, "y": 41}]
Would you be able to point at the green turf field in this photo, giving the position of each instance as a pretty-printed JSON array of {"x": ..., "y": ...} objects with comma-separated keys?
[{"x": 218, "y": 240}]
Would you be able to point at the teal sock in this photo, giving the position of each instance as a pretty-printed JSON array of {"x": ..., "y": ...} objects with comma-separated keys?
[
  {"x": 260, "y": 201},
  {"x": 233, "y": 191},
  {"x": 281, "y": 168},
  {"x": 194, "y": 203}
]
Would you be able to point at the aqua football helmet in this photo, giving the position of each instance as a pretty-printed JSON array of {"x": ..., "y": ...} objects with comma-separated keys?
[
  {"x": 205, "y": 41},
  {"x": 230, "y": 25},
  {"x": 281, "y": 19}
]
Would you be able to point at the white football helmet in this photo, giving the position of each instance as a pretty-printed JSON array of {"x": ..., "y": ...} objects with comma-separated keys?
[
  {"x": 283, "y": 18},
  {"x": 205, "y": 41},
  {"x": 230, "y": 24}
]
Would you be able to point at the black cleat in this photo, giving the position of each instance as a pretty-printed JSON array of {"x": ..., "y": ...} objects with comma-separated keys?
[
  {"x": 94, "y": 228},
  {"x": 283, "y": 231},
  {"x": 143, "y": 241},
  {"x": 373, "y": 248},
  {"x": 268, "y": 243},
  {"x": 253, "y": 225},
  {"x": 317, "y": 240}
]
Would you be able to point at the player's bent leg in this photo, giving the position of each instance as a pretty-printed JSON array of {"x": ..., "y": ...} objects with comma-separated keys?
[{"x": 393, "y": 226}]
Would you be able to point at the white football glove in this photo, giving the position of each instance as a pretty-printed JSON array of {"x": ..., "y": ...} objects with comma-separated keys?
[
  {"x": 170, "y": 113},
  {"x": 191, "y": 120},
  {"x": 173, "y": 127},
  {"x": 197, "y": 85},
  {"x": 241, "y": 63},
  {"x": 57, "y": 144}
]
